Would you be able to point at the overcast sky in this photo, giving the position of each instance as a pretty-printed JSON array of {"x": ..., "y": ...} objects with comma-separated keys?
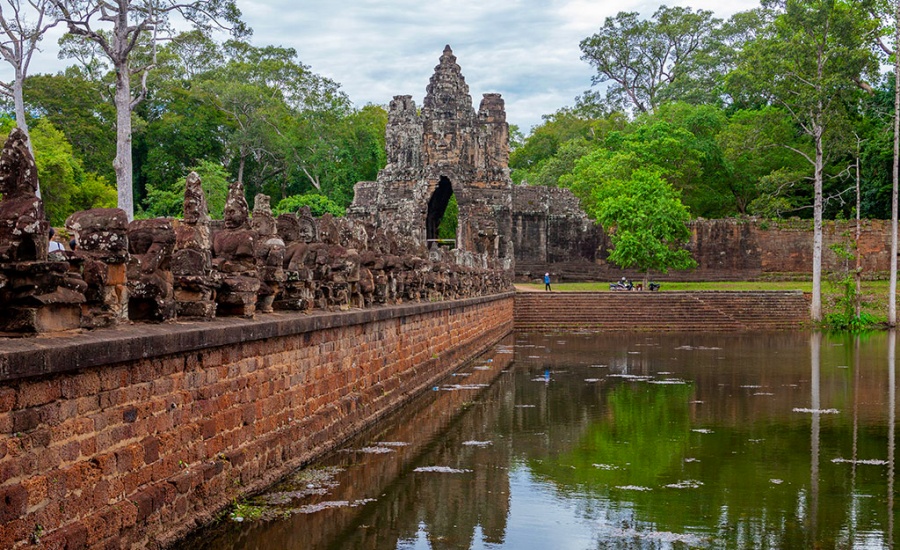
[{"x": 526, "y": 50}]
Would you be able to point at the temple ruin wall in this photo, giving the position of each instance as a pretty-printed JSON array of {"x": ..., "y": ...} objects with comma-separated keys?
[
  {"x": 552, "y": 233},
  {"x": 131, "y": 437}
]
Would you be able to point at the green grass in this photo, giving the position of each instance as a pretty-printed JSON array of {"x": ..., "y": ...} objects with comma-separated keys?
[
  {"x": 875, "y": 293},
  {"x": 805, "y": 286}
]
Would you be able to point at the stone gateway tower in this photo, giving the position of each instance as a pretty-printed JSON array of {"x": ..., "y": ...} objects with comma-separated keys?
[{"x": 447, "y": 149}]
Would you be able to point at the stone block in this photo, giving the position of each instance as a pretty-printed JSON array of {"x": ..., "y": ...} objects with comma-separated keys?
[
  {"x": 13, "y": 502},
  {"x": 199, "y": 309}
]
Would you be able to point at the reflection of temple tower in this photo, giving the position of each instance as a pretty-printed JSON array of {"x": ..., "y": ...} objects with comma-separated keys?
[{"x": 447, "y": 150}]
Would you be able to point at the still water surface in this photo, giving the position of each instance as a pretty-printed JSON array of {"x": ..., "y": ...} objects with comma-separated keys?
[{"x": 585, "y": 441}]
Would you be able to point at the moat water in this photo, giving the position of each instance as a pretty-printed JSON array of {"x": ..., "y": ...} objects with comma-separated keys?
[{"x": 587, "y": 441}]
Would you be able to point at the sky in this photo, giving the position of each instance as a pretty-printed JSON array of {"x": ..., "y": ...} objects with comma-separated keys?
[{"x": 526, "y": 50}]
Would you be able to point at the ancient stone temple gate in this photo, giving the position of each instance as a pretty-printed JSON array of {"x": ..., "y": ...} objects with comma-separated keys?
[{"x": 447, "y": 149}]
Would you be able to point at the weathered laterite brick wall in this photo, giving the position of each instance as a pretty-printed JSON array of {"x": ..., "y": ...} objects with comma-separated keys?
[
  {"x": 131, "y": 437},
  {"x": 561, "y": 240}
]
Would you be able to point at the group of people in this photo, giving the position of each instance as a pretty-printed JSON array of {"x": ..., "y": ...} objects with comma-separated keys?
[
  {"x": 56, "y": 246},
  {"x": 623, "y": 284}
]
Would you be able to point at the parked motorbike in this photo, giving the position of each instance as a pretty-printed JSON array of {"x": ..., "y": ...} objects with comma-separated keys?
[{"x": 621, "y": 285}]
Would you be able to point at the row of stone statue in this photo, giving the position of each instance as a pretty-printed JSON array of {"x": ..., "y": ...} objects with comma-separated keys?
[{"x": 161, "y": 269}]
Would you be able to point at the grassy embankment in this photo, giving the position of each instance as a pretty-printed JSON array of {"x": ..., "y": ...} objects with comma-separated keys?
[{"x": 875, "y": 293}]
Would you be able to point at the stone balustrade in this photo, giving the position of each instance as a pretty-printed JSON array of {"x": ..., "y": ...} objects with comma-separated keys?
[{"x": 159, "y": 270}]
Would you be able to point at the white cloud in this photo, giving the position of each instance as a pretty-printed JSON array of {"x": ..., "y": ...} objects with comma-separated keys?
[{"x": 526, "y": 50}]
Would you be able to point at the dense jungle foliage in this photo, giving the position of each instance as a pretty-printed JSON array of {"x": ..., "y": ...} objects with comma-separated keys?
[{"x": 723, "y": 113}]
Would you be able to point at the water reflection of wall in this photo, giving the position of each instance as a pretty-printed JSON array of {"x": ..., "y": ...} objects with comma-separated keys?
[
  {"x": 727, "y": 366},
  {"x": 434, "y": 429}
]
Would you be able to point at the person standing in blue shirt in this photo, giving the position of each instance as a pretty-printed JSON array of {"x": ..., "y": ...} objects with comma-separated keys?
[{"x": 547, "y": 281}]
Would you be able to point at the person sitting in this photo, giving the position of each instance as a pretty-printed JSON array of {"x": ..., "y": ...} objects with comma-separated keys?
[{"x": 55, "y": 246}]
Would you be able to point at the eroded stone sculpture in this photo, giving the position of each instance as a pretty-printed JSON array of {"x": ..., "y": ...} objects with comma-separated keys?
[
  {"x": 23, "y": 226},
  {"x": 102, "y": 237},
  {"x": 270, "y": 251},
  {"x": 234, "y": 257},
  {"x": 194, "y": 280},
  {"x": 37, "y": 293},
  {"x": 150, "y": 282}
]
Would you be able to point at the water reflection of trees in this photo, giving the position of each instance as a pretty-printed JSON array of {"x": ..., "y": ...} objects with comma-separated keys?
[{"x": 768, "y": 479}]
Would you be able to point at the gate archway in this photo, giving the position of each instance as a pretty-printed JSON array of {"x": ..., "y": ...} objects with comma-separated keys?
[{"x": 437, "y": 207}]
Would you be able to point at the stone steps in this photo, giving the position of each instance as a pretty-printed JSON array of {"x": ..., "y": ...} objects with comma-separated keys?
[{"x": 706, "y": 311}]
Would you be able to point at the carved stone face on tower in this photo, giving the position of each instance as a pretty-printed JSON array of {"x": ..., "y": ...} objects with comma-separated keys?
[
  {"x": 306, "y": 226},
  {"x": 448, "y": 150}
]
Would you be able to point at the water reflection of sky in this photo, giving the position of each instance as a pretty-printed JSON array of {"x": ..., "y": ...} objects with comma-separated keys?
[
  {"x": 540, "y": 518},
  {"x": 584, "y": 441}
]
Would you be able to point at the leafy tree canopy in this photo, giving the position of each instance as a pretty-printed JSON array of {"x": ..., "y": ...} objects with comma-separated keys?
[
  {"x": 641, "y": 212},
  {"x": 319, "y": 205},
  {"x": 66, "y": 186},
  {"x": 170, "y": 202}
]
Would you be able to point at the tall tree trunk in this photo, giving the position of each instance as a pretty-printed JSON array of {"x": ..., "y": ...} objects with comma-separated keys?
[
  {"x": 19, "y": 101},
  {"x": 123, "y": 164},
  {"x": 892, "y": 293},
  {"x": 857, "y": 251},
  {"x": 816, "y": 305},
  {"x": 240, "y": 176}
]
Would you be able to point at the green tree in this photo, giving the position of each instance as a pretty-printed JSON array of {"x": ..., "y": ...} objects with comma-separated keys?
[
  {"x": 93, "y": 192},
  {"x": 115, "y": 29},
  {"x": 284, "y": 122},
  {"x": 181, "y": 130},
  {"x": 357, "y": 150},
  {"x": 66, "y": 186},
  {"x": 170, "y": 202},
  {"x": 764, "y": 176},
  {"x": 549, "y": 172},
  {"x": 809, "y": 62},
  {"x": 639, "y": 58},
  {"x": 553, "y": 146},
  {"x": 57, "y": 170},
  {"x": 657, "y": 145},
  {"x": 641, "y": 212},
  {"x": 450, "y": 221},
  {"x": 705, "y": 190},
  {"x": 22, "y": 27},
  {"x": 319, "y": 205},
  {"x": 80, "y": 108}
]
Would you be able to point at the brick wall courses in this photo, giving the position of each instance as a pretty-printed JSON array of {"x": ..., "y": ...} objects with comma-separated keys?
[
  {"x": 725, "y": 249},
  {"x": 182, "y": 420}
]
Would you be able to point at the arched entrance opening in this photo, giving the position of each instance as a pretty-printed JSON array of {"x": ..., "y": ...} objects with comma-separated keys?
[{"x": 442, "y": 218}]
